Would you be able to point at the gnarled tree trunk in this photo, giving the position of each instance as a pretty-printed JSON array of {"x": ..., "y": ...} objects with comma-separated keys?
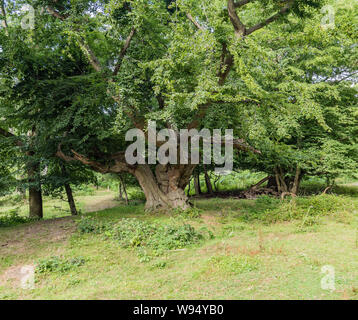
[{"x": 165, "y": 188}]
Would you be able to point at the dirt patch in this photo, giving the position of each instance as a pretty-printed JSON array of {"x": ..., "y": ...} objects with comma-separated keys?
[
  {"x": 28, "y": 235},
  {"x": 101, "y": 203},
  {"x": 210, "y": 220}
]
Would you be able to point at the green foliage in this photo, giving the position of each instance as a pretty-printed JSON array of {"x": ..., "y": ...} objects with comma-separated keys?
[
  {"x": 12, "y": 218},
  {"x": 291, "y": 90},
  {"x": 134, "y": 233},
  {"x": 58, "y": 264},
  {"x": 233, "y": 264},
  {"x": 309, "y": 210},
  {"x": 191, "y": 213},
  {"x": 84, "y": 190},
  {"x": 91, "y": 225},
  {"x": 160, "y": 265}
]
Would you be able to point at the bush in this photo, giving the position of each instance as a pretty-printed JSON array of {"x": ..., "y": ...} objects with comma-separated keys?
[
  {"x": 91, "y": 225},
  {"x": 58, "y": 264},
  {"x": 306, "y": 209},
  {"x": 12, "y": 218},
  {"x": 134, "y": 233},
  {"x": 191, "y": 213}
]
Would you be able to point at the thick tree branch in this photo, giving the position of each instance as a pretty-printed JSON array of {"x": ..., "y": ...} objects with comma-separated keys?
[
  {"x": 118, "y": 162},
  {"x": 227, "y": 61},
  {"x": 239, "y": 27},
  {"x": 123, "y": 51},
  {"x": 195, "y": 23},
  {"x": 273, "y": 18},
  {"x": 56, "y": 14},
  {"x": 91, "y": 56}
]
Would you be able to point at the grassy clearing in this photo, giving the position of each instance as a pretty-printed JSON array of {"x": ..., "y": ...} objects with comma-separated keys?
[
  {"x": 91, "y": 200},
  {"x": 234, "y": 249}
]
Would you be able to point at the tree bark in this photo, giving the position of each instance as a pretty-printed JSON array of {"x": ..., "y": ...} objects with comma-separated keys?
[
  {"x": 35, "y": 203},
  {"x": 255, "y": 186},
  {"x": 69, "y": 193},
  {"x": 197, "y": 184},
  {"x": 208, "y": 181},
  {"x": 272, "y": 183},
  {"x": 120, "y": 192},
  {"x": 297, "y": 180},
  {"x": 123, "y": 189},
  {"x": 165, "y": 189},
  {"x": 71, "y": 200},
  {"x": 35, "y": 190},
  {"x": 35, "y": 194}
]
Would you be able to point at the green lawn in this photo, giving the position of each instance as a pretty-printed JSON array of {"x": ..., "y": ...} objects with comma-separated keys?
[{"x": 259, "y": 251}]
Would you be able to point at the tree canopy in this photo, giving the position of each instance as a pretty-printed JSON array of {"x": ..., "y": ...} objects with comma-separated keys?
[{"x": 91, "y": 70}]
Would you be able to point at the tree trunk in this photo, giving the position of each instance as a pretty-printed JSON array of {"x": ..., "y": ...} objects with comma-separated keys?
[
  {"x": 208, "y": 182},
  {"x": 296, "y": 182},
  {"x": 123, "y": 189},
  {"x": 188, "y": 192},
  {"x": 272, "y": 184},
  {"x": 70, "y": 199},
  {"x": 197, "y": 184},
  {"x": 165, "y": 189},
  {"x": 281, "y": 181},
  {"x": 120, "y": 192},
  {"x": 35, "y": 203},
  {"x": 69, "y": 193},
  {"x": 35, "y": 194},
  {"x": 35, "y": 190}
]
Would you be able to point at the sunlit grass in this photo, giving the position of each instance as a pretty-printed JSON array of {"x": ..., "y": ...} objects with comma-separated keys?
[{"x": 247, "y": 259}]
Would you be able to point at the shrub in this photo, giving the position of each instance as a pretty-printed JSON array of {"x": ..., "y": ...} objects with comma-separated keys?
[
  {"x": 175, "y": 237},
  {"x": 134, "y": 233},
  {"x": 91, "y": 225},
  {"x": 307, "y": 209},
  {"x": 191, "y": 213},
  {"x": 58, "y": 264},
  {"x": 12, "y": 218}
]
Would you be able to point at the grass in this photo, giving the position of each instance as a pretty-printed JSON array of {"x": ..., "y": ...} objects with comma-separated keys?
[
  {"x": 57, "y": 208},
  {"x": 251, "y": 255}
]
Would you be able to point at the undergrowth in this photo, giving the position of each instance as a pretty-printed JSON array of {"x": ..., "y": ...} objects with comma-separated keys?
[
  {"x": 12, "y": 218},
  {"x": 151, "y": 239},
  {"x": 58, "y": 264},
  {"x": 308, "y": 210}
]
